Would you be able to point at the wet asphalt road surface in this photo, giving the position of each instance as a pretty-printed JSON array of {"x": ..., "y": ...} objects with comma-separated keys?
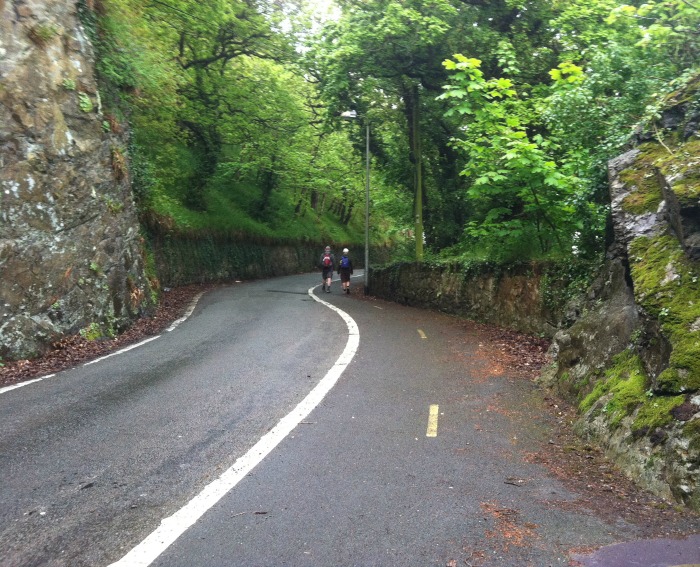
[{"x": 93, "y": 459}]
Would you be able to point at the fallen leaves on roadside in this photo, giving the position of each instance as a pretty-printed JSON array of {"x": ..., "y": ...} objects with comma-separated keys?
[
  {"x": 71, "y": 351},
  {"x": 601, "y": 485},
  {"x": 508, "y": 529},
  {"x": 522, "y": 354}
]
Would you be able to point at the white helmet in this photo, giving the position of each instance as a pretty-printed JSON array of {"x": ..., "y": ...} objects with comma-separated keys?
[{"x": 345, "y": 250}]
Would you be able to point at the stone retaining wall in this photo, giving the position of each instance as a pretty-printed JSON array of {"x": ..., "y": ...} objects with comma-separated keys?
[{"x": 514, "y": 297}]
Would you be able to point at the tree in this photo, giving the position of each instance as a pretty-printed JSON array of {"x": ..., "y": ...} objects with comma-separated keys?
[
  {"x": 517, "y": 189},
  {"x": 385, "y": 55},
  {"x": 223, "y": 120},
  {"x": 382, "y": 53}
]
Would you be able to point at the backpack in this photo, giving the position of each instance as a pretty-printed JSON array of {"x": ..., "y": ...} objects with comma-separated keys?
[
  {"x": 327, "y": 261},
  {"x": 345, "y": 262}
]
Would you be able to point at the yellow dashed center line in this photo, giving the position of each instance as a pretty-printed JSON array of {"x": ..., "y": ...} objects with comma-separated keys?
[
  {"x": 422, "y": 334},
  {"x": 432, "y": 421}
]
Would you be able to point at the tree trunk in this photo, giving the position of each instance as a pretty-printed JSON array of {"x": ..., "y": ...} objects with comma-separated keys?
[{"x": 412, "y": 102}]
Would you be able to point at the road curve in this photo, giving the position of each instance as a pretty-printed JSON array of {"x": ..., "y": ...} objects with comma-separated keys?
[{"x": 420, "y": 454}]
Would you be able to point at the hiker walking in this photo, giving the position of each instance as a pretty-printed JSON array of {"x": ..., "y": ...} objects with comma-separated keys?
[
  {"x": 327, "y": 264},
  {"x": 345, "y": 270}
]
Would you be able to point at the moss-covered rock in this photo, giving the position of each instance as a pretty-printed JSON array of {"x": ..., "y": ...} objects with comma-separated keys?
[
  {"x": 667, "y": 286},
  {"x": 655, "y": 412},
  {"x": 639, "y": 397},
  {"x": 647, "y": 196},
  {"x": 624, "y": 391},
  {"x": 600, "y": 327},
  {"x": 623, "y": 387}
]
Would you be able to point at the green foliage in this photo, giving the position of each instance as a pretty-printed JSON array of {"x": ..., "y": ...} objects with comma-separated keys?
[
  {"x": 42, "y": 34},
  {"x": 615, "y": 65},
  {"x": 122, "y": 36},
  {"x": 92, "y": 332},
  {"x": 234, "y": 131},
  {"x": 668, "y": 29},
  {"x": 623, "y": 69},
  {"x": 519, "y": 192},
  {"x": 85, "y": 102},
  {"x": 225, "y": 134},
  {"x": 566, "y": 280},
  {"x": 69, "y": 84},
  {"x": 382, "y": 59}
]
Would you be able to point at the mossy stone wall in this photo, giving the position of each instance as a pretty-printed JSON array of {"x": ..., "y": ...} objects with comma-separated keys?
[
  {"x": 518, "y": 297},
  {"x": 182, "y": 260}
]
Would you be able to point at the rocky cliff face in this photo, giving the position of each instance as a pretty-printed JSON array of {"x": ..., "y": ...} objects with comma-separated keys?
[
  {"x": 70, "y": 251},
  {"x": 631, "y": 359}
]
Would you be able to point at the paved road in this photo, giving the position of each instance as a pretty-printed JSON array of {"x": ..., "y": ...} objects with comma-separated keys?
[{"x": 415, "y": 457}]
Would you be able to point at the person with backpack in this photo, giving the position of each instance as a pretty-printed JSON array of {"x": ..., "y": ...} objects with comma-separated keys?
[
  {"x": 327, "y": 264},
  {"x": 345, "y": 270}
]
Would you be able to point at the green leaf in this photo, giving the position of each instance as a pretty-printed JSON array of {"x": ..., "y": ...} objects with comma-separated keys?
[{"x": 449, "y": 64}]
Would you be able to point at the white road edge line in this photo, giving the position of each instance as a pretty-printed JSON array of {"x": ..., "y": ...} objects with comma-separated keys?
[
  {"x": 187, "y": 314},
  {"x": 130, "y": 347},
  {"x": 174, "y": 526},
  {"x": 14, "y": 386},
  {"x": 172, "y": 327}
]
